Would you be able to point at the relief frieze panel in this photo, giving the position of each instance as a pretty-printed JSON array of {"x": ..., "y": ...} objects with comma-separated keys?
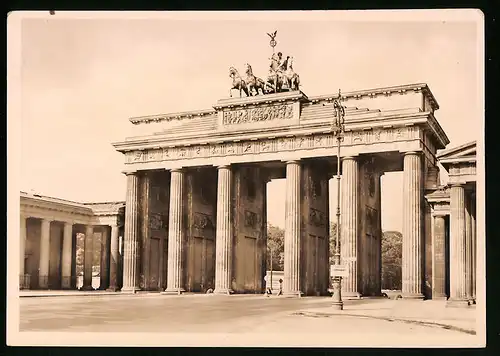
[
  {"x": 271, "y": 145},
  {"x": 251, "y": 219},
  {"x": 201, "y": 221},
  {"x": 268, "y": 113},
  {"x": 317, "y": 217},
  {"x": 156, "y": 221}
]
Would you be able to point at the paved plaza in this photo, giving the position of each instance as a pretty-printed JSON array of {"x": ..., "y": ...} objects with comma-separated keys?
[{"x": 152, "y": 312}]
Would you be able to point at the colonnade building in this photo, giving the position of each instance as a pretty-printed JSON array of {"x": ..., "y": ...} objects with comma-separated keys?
[{"x": 195, "y": 211}]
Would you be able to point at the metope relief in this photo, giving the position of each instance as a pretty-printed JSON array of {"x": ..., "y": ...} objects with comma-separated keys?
[{"x": 268, "y": 113}]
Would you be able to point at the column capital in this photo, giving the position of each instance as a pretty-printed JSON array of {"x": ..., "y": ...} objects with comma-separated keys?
[
  {"x": 457, "y": 185},
  {"x": 178, "y": 170},
  {"x": 223, "y": 166},
  {"x": 414, "y": 153},
  {"x": 439, "y": 214},
  {"x": 130, "y": 173},
  {"x": 347, "y": 158},
  {"x": 291, "y": 161}
]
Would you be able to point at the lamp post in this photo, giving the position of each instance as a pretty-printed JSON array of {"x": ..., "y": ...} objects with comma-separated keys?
[{"x": 338, "y": 131}]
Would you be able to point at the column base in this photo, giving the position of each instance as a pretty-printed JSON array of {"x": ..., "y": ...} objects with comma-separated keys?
[
  {"x": 412, "y": 296},
  {"x": 293, "y": 294},
  {"x": 223, "y": 291},
  {"x": 338, "y": 305},
  {"x": 177, "y": 291},
  {"x": 87, "y": 288},
  {"x": 439, "y": 297},
  {"x": 131, "y": 290},
  {"x": 351, "y": 295},
  {"x": 458, "y": 303},
  {"x": 113, "y": 289}
]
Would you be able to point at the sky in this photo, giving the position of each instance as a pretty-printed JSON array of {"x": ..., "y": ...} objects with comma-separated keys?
[{"x": 82, "y": 79}]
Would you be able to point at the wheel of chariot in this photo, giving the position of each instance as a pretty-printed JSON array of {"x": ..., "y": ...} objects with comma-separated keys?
[{"x": 273, "y": 43}]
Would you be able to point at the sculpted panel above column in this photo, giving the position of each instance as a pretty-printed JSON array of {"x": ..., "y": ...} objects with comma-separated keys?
[{"x": 267, "y": 113}]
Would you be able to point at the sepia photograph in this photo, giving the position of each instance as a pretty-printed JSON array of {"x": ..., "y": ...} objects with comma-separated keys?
[{"x": 259, "y": 178}]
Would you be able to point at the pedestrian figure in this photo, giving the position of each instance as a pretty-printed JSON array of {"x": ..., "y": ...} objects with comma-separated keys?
[
  {"x": 281, "y": 287},
  {"x": 269, "y": 291}
]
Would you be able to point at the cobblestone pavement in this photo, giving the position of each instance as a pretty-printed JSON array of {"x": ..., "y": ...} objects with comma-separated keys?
[{"x": 226, "y": 314}]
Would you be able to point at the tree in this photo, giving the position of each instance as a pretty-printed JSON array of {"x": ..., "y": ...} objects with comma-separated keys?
[
  {"x": 392, "y": 251},
  {"x": 276, "y": 245},
  {"x": 80, "y": 253}
]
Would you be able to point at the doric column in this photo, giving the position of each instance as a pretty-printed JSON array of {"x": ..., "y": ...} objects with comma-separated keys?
[
  {"x": 468, "y": 249},
  {"x": 175, "y": 272},
  {"x": 67, "y": 255},
  {"x": 114, "y": 259},
  {"x": 224, "y": 232},
  {"x": 438, "y": 258},
  {"x": 130, "y": 248},
  {"x": 291, "y": 285},
  {"x": 458, "y": 292},
  {"x": 43, "y": 271},
  {"x": 349, "y": 226},
  {"x": 412, "y": 226},
  {"x": 474, "y": 244},
  {"x": 22, "y": 251},
  {"x": 88, "y": 257},
  {"x": 104, "y": 263}
]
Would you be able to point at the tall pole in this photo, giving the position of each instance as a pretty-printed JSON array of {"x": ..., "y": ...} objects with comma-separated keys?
[{"x": 338, "y": 131}]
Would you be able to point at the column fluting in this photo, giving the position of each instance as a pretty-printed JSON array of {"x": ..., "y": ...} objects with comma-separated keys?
[
  {"x": 474, "y": 244},
  {"x": 224, "y": 232},
  {"x": 175, "y": 273},
  {"x": 412, "y": 226},
  {"x": 457, "y": 244},
  {"x": 104, "y": 262},
  {"x": 43, "y": 271},
  {"x": 131, "y": 243},
  {"x": 67, "y": 257},
  {"x": 22, "y": 250},
  {"x": 438, "y": 258},
  {"x": 291, "y": 285},
  {"x": 468, "y": 248},
  {"x": 114, "y": 259},
  {"x": 349, "y": 225}
]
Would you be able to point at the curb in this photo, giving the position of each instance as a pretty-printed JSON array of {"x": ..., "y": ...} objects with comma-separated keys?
[{"x": 390, "y": 319}]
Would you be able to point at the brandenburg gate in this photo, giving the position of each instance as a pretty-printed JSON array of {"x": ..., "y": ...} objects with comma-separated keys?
[{"x": 203, "y": 180}]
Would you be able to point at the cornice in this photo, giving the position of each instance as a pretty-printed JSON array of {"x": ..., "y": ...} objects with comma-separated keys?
[
  {"x": 457, "y": 149},
  {"x": 288, "y": 96},
  {"x": 457, "y": 161},
  {"x": 387, "y": 91},
  {"x": 71, "y": 208},
  {"x": 302, "y": 129},
  {"x": 171, "y": 116},
  {"x": 440, "y": 135},
  {"x": 56, "y": 206},
  {"x": 261, "y": 99}
]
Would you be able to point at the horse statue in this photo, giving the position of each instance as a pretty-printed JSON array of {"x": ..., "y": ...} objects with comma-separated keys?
[
  {"x": 255, "y": 83},
  {"x": 238, "y": 82},
  {"x": 276, "y": 78},
  {"x": 292, "y": 78}
]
